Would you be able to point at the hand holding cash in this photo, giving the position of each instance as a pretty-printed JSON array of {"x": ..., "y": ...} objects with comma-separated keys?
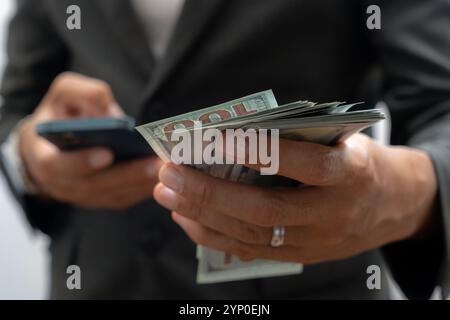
[{"x": 342, "y": 193}]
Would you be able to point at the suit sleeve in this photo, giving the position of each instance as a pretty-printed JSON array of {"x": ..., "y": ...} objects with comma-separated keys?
[
  {"x": 35, "y": 55},
  {"x": 413, "y": 50}
]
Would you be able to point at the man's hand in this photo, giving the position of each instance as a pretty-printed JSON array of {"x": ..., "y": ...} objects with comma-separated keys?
[
  {"x": 360, "y": 196},
  {"x": 83, "y": 178}
]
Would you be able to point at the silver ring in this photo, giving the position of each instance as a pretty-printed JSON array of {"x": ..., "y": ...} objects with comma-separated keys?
[{"x": 278, "y": 234}]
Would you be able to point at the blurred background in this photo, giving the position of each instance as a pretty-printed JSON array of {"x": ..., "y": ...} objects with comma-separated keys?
[{"x": 23, "y": 252}]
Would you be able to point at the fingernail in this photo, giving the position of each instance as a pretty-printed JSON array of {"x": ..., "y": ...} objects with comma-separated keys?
[
  {"x": 167, "y": 198},
  {"x": 171, "y": 178},
  {"x": 99, "y": 159}
]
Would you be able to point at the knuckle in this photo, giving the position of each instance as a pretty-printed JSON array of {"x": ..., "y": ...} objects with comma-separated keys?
[
  {"x": 61, "y": 82},
  {"x": 101, "y": 88},
  {"x": 359, "y": 168},
  {"x": 59, "y": 87},
  {"x": 271, "y": 211},
  {"x": 194, "y": 212},
  {"x": 327, "y": 165},
  {"x": 61, "y": 78},
  {"x": 248, "y": 234},
  {"x": 204, "y": 194}
]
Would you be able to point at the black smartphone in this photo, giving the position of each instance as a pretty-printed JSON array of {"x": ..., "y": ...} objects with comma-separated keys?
[{"x": 117, "y": 134}]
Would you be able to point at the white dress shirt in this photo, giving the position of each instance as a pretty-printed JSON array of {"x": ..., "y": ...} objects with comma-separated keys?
[{"x": 159, "y": 18}]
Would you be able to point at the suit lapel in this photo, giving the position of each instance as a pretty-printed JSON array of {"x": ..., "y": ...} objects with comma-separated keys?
[
  {"x": 124, "y": 23},
  {"x": 193, "y": 20}
]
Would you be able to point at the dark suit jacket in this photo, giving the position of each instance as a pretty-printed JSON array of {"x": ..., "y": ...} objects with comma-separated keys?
[{"x": 319, "y": 50}]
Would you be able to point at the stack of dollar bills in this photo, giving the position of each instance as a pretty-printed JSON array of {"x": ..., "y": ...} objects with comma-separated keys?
[{"x": 325, "y": 123}]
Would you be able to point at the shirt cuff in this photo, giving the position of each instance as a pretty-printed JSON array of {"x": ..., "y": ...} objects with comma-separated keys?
[{"x": 14, "y": 165}]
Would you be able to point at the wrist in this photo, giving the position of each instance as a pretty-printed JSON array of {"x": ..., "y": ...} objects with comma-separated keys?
[{"x": 415, "y": 190}]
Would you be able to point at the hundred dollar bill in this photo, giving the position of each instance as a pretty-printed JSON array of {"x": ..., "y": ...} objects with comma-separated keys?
[
  {"x": 157, "y": 133},
  {"x": 326, "y": 124}
]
